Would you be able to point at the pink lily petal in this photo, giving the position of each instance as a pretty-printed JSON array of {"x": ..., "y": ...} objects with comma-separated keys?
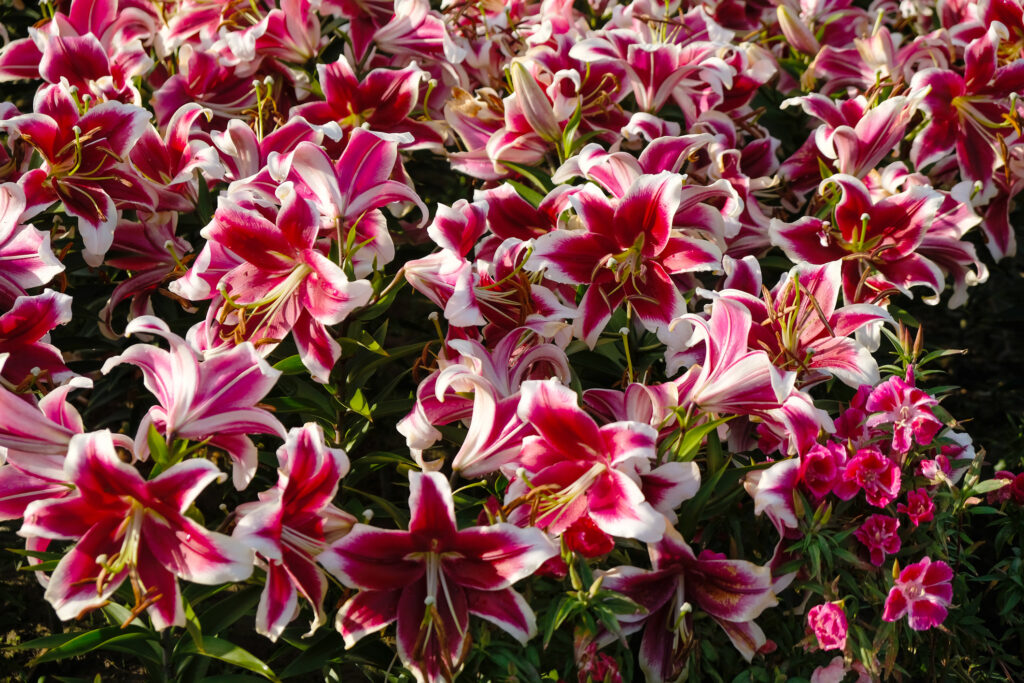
[
  {"x": 72, "y": 586},
  {"x": 180, "y": 485},
  {"x": 79, "y": 59},
  {"x": 19, "y": 488},
  {"x": 734, "y": 590},
  {"x": 492, "y": 558},
  {"x": 747, "y": 637},
  {"x": 317, "y": 348},
  {"x": 157, "y": 581},
  {"x": 618, "y": 507},
  {"x": 667, "y": 486},
  {"x": 506, "y": 609},
  {"x": 432, "y": 658},
  {"x": 189, "y": 551},
  {"x": 553, "y": 411},
  {"x": 330, "y": 296},
  {"x": 772, "y": 490},
  {"x": 805, "y": 240},
  {"x": 373, "y": 559},
  {"x": 250, "y": 236},
  {"x": 433, "y": 510},
  {"x": 278, "y": 603},
  {"x": 649, "y": 208},
  {"x": 367, "y": 612}
]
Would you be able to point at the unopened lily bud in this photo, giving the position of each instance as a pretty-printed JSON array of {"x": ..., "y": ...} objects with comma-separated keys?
[
  {"x": 797, "y": 33},
  {"x": 536, "y": 106}
]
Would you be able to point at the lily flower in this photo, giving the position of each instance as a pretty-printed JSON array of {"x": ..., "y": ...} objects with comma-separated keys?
[
  {"x": 802, "y": 329},
  {"x": 878, "y": 241},
  {"x": 432, "y": 577},
  {"x": 972, "y": 114},
  {"x": 198, "y": 399},
  {"x": 575, "y": 469},
  {"x": 349, "y": 193},
  {"x": 34, "y": 439},
  {"x": 130, "y": 528},
  {"x": 25, "y": 334},
  {"x": 629, "y": 251},
  {"x": 84, "y": 155},
  {"x": 732, "y": 592},
  {"x": 25, "y": 251},
  {"x": 285, "y": 282},
  {"x": 291, "y": 524}
]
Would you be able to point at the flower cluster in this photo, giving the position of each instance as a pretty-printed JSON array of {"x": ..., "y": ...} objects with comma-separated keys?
[{"x": 655, "y": 247}]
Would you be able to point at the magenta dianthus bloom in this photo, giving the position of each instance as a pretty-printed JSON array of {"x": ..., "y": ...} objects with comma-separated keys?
[
  {"x": 828, "y": 622},
  {"x": 878, "y": 533},
  {"x": 920, "y": 507},
  {"x": 923, "y": 591}
]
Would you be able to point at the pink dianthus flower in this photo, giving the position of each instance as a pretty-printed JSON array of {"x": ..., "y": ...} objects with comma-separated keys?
[
  {"x": 919, "y": 506},
  {"x": 878, "y": 533},
  {"x": 828, "y": 622},
  {"x": 876, "y": 474},
  {"x": 923, "y": 591}
]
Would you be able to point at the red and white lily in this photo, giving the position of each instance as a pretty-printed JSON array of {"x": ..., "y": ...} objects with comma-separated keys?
[
  {"x": 877, "y": 240},
  {"x": 84, "y": 156},
  {"x": 800, "y": 327},
  {"x": 285, "y": 282},
  {"x": 432, "y": 577},
  {"x": 25, "y": 335},
  {"x": 34, "y": 439},
  {"x": 199, "y": 399},
  {"x": 973, "y": 113},
  {"x": 572, "y": 468},
  {"x": 628, "y": 253},
  {"x": 291, "y": 524},
  {"x": 732, "y": 592},
  {"x": 25, "y": 252},
  {"x": 130, "y": 528}
]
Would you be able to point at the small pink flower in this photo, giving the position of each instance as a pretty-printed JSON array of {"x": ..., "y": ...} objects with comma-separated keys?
[
  {"x": 819, "y": 468},
  {"x": 908, "y": 409},
  {"x": 876, "y": 474},
  {"x": 1014, "y": 490},
  {"x": 597, "y": 666},
  {"x": 1017, "y": 489},
  {"x": 919, "y": 506},
  {"x": 923, "y": 590},
  {"x": 1001, "y": 495},
  {"x": 835, "y": 672},
  {"x": 935, "y": 471},
  {"x": 878, "y": 533},
  {"x": 828, "y": 623},
  {"x": 585, "y": 538}
]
